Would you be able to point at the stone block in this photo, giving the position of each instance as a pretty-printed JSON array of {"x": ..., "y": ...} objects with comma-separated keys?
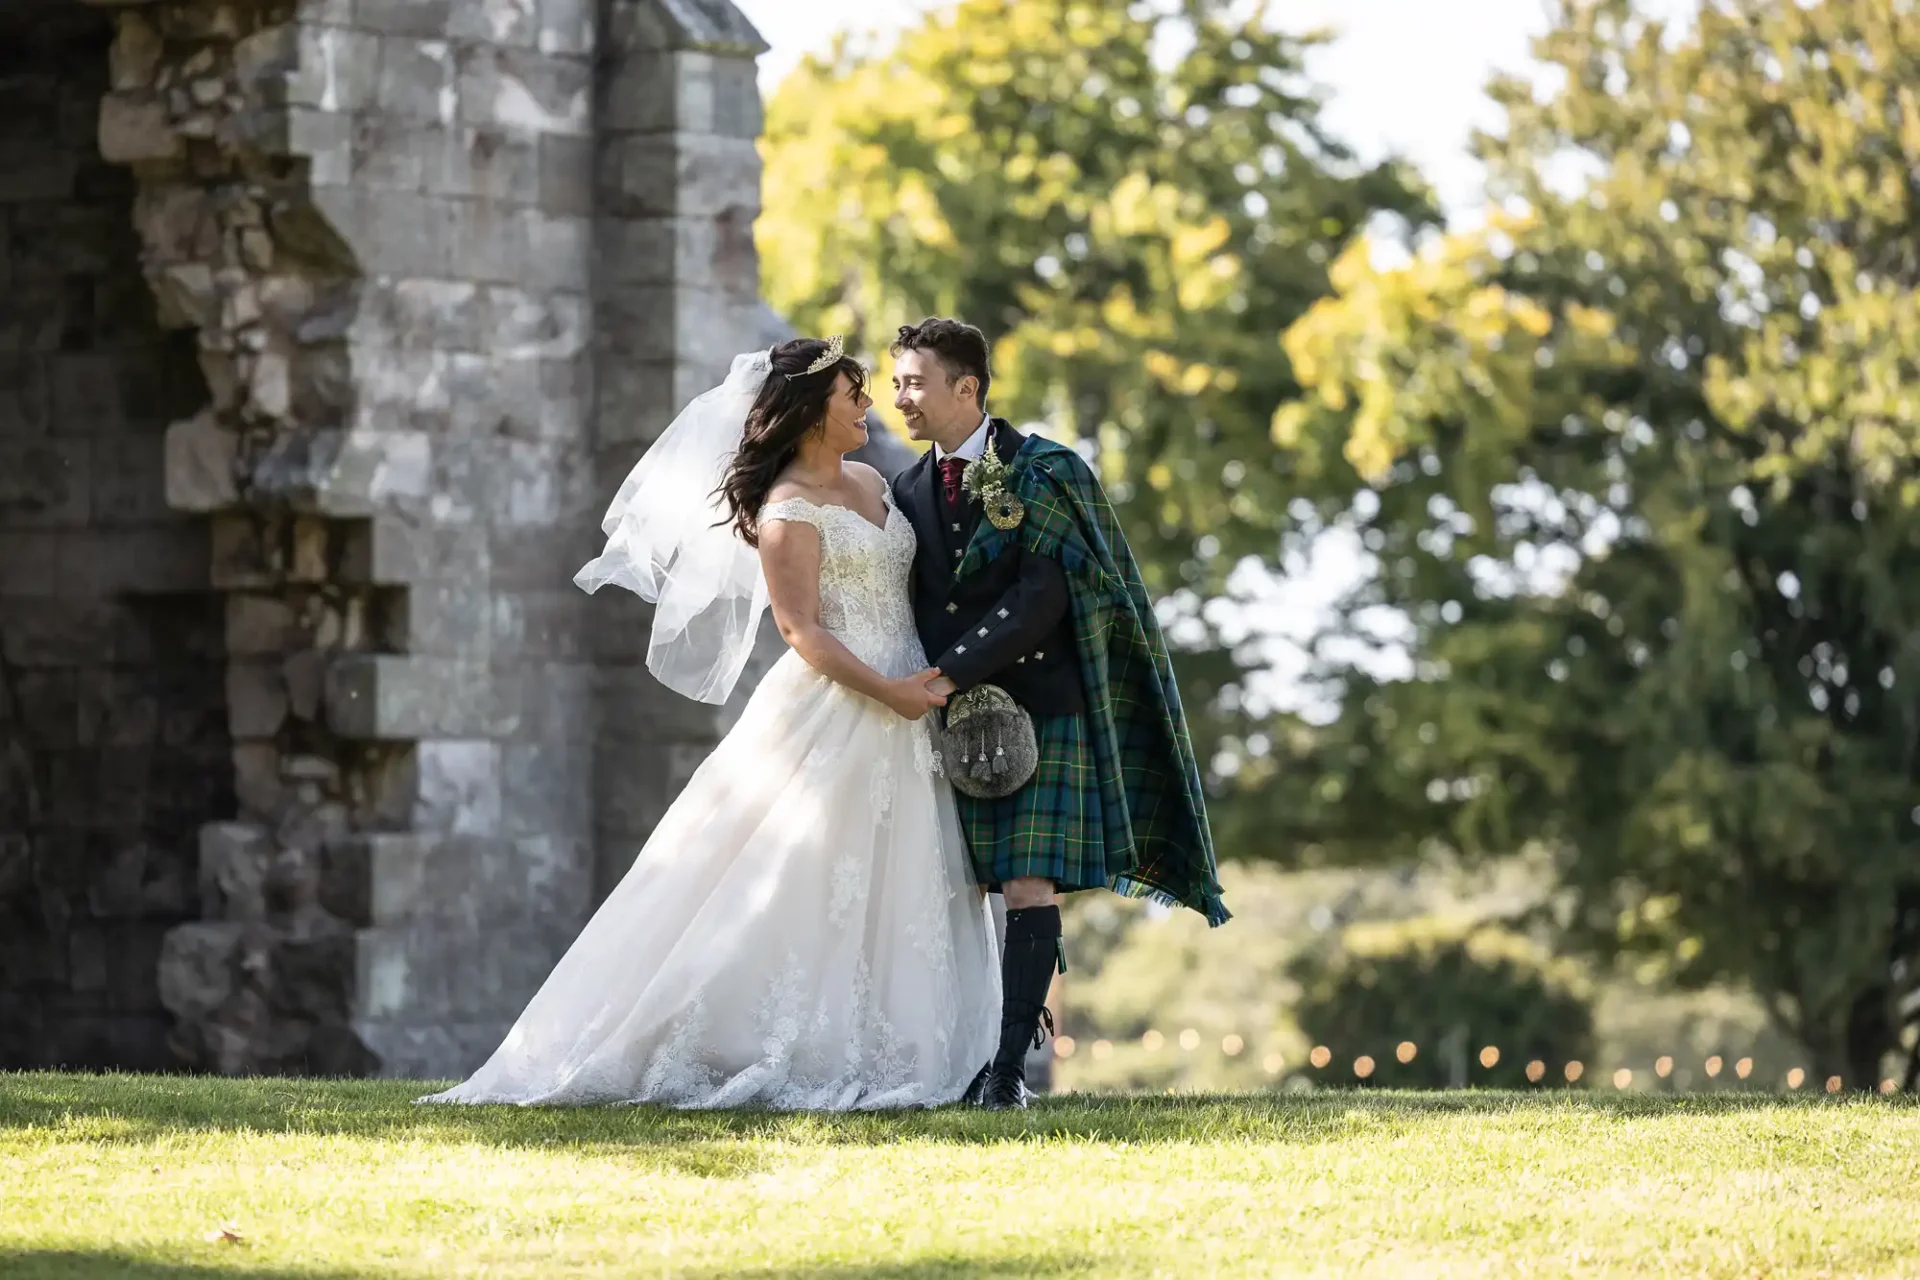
[
  {"x": 526, "y": 92},
  {"x": 135, "y": 57},
  {"x": 459, "y": 788},
  {"x": 135, "y": 129},
  {"x": 447, "y": 619},
  {"x": 201, "y": 463},
  {"x": 239, "y": 552},
  {"x": 490, "y": 396},
  {"x": 566, "y": 399},
  {"x": 500, "y": 22},
  {"x": 418, "y": 79},
  {"x": 391, "y": 152},
  {"x": 146, "y": 560},
  {"x": 642, "y": 92},
  {"x": 325, "y": 138},
  {"x": 560, "y": 252},
  {"x": 409, "y": 1049},
  {"x": 25, "y": 396},
  {"x": 374, "y": 469},
  {"x": 47, "y": 709},
  {"x": 258, "y": 624},
  {"x": 424, "y": 19},
  {"x": 138, "y": 880},
  {"x": 46, "y": 483},
  {"x": 737, "y": 109},
  {"x": 491, "y": 241},
  {"x": 386, "y": 551},
  {"x": 256, "y": 699},
  {"x": 491, "y": 163},
  {"x": 551, "y": 326},
  {"x": 389, "y": 697},
  {"x": 685, "y": 174},
  {"x": 545, "y": 702},
  {"x": 546, "y": 790},
  {"x": 129, "y": 483},
  {"x": 338, "y": 69},
  {"x": 199, "y": 967},
  {"x": 116, "y": 708},
  {"x": 427, "y": 971},
  {"x": 656, "y": 251},
  {"x": 36, "y": 564},
  {"x": 568, "y": 26},
  {"x": 638, "y": 397},
  {"x": 566, "y": 175}
]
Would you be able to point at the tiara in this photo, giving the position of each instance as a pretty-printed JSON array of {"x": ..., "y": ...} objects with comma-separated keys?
[{"x": 836, "y": 352}]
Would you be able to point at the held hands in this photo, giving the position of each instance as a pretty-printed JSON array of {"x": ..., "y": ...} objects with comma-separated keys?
[{"x": 915, "y": 695}]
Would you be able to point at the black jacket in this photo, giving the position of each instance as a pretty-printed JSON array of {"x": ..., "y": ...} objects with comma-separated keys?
[{"x": 1009, "y": 623}]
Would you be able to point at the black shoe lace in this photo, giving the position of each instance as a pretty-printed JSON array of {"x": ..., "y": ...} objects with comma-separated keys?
[{"x": 1044, "y": 1027}]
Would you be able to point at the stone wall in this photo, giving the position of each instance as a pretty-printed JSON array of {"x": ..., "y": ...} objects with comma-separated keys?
[
  {"x": 329, "y": 328},
  {"x": 113, "y": 729}
]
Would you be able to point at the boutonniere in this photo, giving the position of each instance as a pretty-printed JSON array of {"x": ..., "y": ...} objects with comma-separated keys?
[{"x": 985, "y": 479}]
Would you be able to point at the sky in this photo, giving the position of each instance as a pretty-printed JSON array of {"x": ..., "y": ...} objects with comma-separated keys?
[{"x": 1405, "y": 77}]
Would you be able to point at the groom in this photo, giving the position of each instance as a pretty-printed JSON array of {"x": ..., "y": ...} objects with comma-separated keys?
[{"x": 1051, "y": 609}]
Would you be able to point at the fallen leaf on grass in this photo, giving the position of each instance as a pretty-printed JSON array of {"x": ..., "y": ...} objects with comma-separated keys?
[{"x": 226, "y": 1233}]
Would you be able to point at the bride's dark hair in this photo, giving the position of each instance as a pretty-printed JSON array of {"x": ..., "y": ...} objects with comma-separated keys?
[{"x": 791, "y": 405}]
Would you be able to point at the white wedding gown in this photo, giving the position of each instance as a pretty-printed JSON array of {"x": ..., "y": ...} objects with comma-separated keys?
[{"x": 801, "y": 931}]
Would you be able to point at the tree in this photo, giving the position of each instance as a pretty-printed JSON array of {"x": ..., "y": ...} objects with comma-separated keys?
[
  {"x": 1131, "y": 234},
  {"x": 1637, "y": 467},
  {"x": 1422, "y": 1001}
]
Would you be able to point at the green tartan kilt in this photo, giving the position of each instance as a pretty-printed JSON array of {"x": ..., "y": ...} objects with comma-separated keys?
[{"x": 1052, "y": 827}]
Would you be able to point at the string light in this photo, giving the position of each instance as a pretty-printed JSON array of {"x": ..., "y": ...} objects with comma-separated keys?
[
  {"x": 1232, "y": 1045},
  {"x": 1064, "y": 1046},
  {"x": 1189, "y": 1040},
  {"x": 1833, "y": 1084},
  {"x": 1490, "y": 1057},
  {"x": 1320, "y": 1056},
  {"x": 1536, "y": 1071},
  {"x": 1713, "y": 1066},
  {"x": 1573, "y": 1071},
  {"x": 1273, "y": 1063},
  {"x": 1663, "y": 1066},
  {"x": 1102, "y": 1050},
  {"x": 1363, "y": 1066},
  {"x": 1622, "y": 1078},
  {"x": 1406, "y": 1051},
  {"x": 1152, "y": 1041},
  {"x": 1796, "y": 1078},
  {"x": 1743, "y": 1068}
]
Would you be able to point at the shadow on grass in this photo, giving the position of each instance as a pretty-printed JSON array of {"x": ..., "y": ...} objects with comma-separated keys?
[
  {"x": 94, "y": 1264},
  {"x": 134, "y": 1108}
]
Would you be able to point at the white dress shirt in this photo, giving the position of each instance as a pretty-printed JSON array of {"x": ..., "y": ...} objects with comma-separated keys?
[{"x": 975, "y": 446}]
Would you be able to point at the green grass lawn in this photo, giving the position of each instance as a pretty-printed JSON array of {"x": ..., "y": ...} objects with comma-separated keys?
[{"x": 129, "y": 1175}]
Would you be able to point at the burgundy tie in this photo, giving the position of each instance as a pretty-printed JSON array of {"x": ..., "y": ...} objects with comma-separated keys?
[{"x": 951, "y": 469}]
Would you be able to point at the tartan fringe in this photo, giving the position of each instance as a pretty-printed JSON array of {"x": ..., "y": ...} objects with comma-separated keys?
[{"x": 1211, "y": 906}]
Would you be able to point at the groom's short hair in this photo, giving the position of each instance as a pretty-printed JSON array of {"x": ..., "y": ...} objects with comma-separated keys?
[{"x": 961, "y": 348}]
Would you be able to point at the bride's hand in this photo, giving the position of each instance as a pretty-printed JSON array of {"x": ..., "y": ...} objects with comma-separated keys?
[{"x": 912, "y": 697}]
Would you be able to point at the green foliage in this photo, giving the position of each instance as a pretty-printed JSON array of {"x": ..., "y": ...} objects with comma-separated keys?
[
  {"x": 1130, "y": 235},
  {"x": 1636, "y": 464},
  {"x": 1448, "y": 994}
]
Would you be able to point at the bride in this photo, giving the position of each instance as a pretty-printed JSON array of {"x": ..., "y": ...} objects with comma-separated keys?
[{"x": 801, "y": 930}]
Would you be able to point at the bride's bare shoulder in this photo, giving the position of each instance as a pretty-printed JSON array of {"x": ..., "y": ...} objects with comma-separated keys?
[{"x": 868, "y": 478}]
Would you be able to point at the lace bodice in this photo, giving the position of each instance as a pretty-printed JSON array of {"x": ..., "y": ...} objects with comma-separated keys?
[{"x": 864, "y": 574}]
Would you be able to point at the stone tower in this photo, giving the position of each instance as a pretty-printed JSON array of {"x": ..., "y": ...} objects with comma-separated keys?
[{"x": 327, "y": 330}]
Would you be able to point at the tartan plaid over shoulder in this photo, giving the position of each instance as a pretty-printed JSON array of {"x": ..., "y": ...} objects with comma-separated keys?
[{"x": 1149, "y": 782}]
